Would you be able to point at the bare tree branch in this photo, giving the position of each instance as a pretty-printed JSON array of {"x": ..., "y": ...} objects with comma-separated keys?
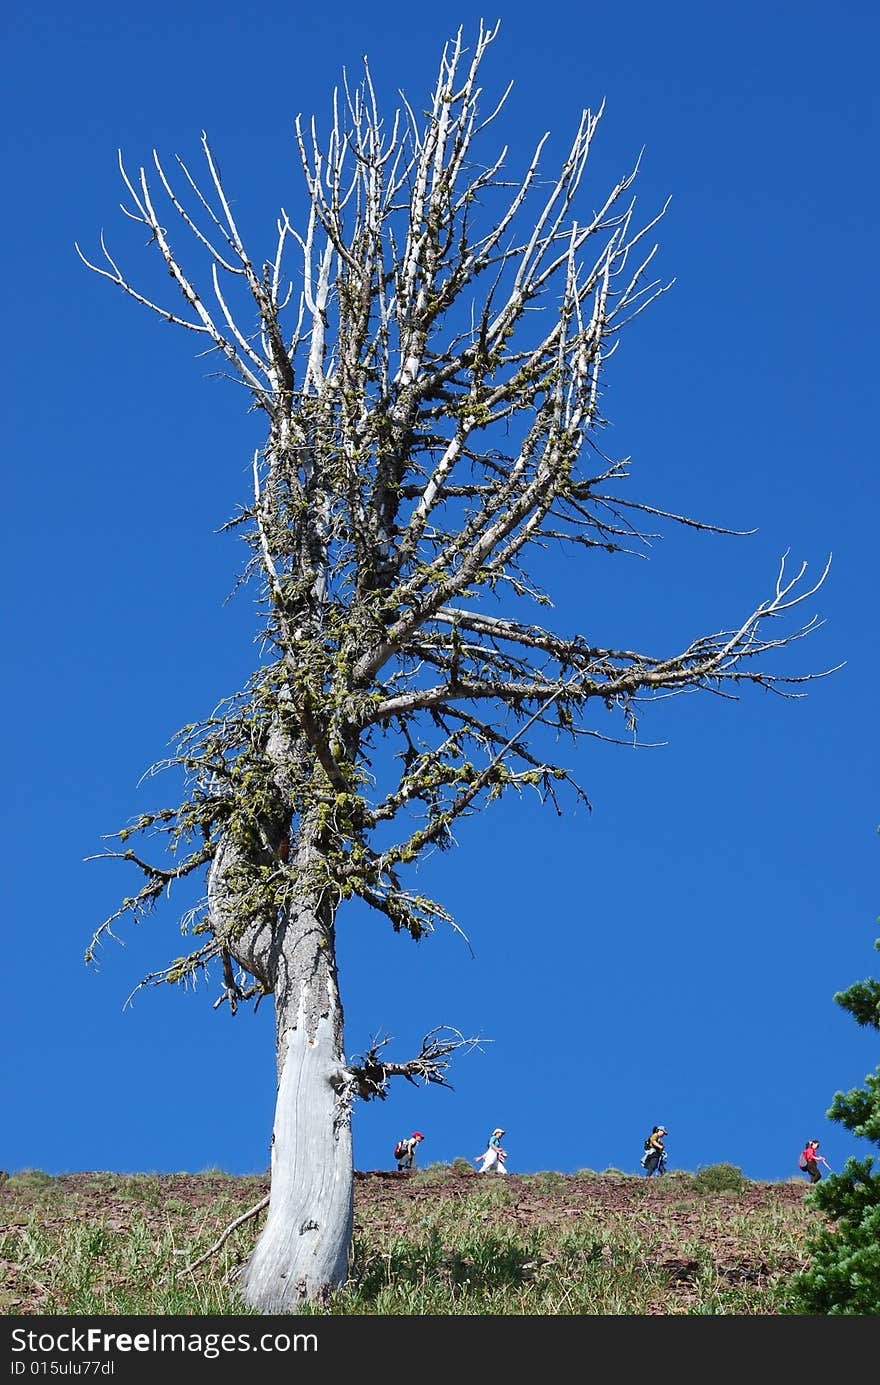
[
  {"x": 371, "y": 1073},
  {"x": 222, "y": 1238}
]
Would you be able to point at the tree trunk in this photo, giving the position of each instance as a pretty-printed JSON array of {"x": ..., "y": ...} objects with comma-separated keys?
[{"x": 303, "y": 1250}]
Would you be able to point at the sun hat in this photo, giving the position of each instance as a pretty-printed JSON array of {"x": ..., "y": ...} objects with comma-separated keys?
[{"x": 417, "y": 1135}]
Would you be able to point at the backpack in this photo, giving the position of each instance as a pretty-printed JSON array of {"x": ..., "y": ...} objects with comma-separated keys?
[
  {"x": 400, "y": 1149},
  {"x": 802, "y": 1163}
]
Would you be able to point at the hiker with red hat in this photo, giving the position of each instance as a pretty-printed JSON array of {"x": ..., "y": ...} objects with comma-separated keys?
[
  {"x": 405, "y": 1150},
  {"x": 493, "y": 1156}
]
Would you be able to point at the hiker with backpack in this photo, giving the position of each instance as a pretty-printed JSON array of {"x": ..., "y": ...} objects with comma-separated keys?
[
  {"x": 493, "y": 1155},
  {"x": 654, "y": 1158},
  {"x": 405, "y": 1150},
  {"x": 809, "y": 1161}
]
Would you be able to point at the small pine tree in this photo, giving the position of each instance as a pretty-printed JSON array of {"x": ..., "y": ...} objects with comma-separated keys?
[{"x": 844, "y": 1272}]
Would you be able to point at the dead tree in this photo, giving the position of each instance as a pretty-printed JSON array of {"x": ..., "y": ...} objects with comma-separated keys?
[{"x": 430, "y": 378}]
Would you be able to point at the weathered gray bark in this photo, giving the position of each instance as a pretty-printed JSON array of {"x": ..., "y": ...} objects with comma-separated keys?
[{"x": 303, "y": 1248}]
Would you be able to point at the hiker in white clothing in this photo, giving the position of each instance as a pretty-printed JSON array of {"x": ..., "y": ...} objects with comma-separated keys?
[{"x": 493, "y": 1156}]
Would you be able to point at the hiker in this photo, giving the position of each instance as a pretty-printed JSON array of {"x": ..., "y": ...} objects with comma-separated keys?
[
  {"x": 654, "y": 1157},
  {"x": 493, "y": 1156},
  {"x": 810, "y": 1160},
  {"x": 405, "y": 1150}
]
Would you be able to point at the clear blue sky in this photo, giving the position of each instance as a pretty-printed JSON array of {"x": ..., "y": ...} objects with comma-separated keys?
[{"x": 670, "y": 957}]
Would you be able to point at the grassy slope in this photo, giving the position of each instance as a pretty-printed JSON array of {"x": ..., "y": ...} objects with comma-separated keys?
[{"x": 439, "y": 1241}]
